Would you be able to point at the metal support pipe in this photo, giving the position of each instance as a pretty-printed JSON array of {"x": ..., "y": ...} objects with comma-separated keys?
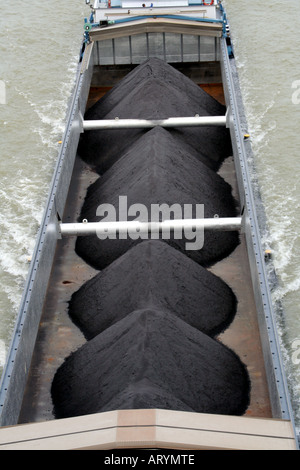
[
  {"x": 149, "y": 123},
  {"x": 143, "y": 228}
]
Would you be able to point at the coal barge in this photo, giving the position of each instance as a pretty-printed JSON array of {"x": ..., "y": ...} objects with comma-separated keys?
[{"x": 147, "y": 321}]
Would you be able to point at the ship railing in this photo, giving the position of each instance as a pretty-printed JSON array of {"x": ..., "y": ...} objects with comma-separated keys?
[
  {"x": 226, "y": 224},
  {"x": 151, "y": 3},
  {"x": 194, "y": 121},
  {"x": 115, "y": 12}
]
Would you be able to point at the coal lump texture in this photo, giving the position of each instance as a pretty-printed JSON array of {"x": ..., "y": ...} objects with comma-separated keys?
[
  {"x": 136, "y": 363},
  {"x": 153, "y": 274},
  {"x": 154, "y": 90},
  {"x": 155, "y": 171}
]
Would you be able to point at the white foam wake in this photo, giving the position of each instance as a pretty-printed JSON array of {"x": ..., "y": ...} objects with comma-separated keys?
[{"x": 2, "y": 353}]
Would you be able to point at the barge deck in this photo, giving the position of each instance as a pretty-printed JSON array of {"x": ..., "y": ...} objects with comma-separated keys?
[{"x": 58, "y": 336}]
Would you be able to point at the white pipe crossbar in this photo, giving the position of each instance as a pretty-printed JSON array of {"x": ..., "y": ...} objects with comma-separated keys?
[
  {"x": 149, "y": 123},
  {"x": 110, "y": 228}
]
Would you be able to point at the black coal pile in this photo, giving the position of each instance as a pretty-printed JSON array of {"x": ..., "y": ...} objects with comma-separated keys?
[
  {"x": 155, "y": 170},
  {"x": 152, "y": 313},
  {"x": 137, "y": 280},
  {"x": 154, "y": 90},
  {"x": 151, "y": 359}
]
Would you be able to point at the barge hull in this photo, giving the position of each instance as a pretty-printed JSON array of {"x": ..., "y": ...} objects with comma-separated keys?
[{"x": 151, "y": 429}]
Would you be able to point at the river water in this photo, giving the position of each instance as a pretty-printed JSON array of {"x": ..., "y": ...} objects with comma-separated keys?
[{"x": 39, "y": 49}]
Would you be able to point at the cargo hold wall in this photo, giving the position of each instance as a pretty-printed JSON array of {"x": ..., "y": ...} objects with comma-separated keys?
[
  {"x": 279, "y": 395},
  {"x": 171, "y": 47}
]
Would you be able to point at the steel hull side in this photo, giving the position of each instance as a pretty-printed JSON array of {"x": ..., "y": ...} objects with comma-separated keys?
[
  {"x": 279, "y": 394},
  {"x": 14, "y": 377}
]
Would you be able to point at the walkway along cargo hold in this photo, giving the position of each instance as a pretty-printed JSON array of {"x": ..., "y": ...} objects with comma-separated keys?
[{"x": 121, "y": 327}]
